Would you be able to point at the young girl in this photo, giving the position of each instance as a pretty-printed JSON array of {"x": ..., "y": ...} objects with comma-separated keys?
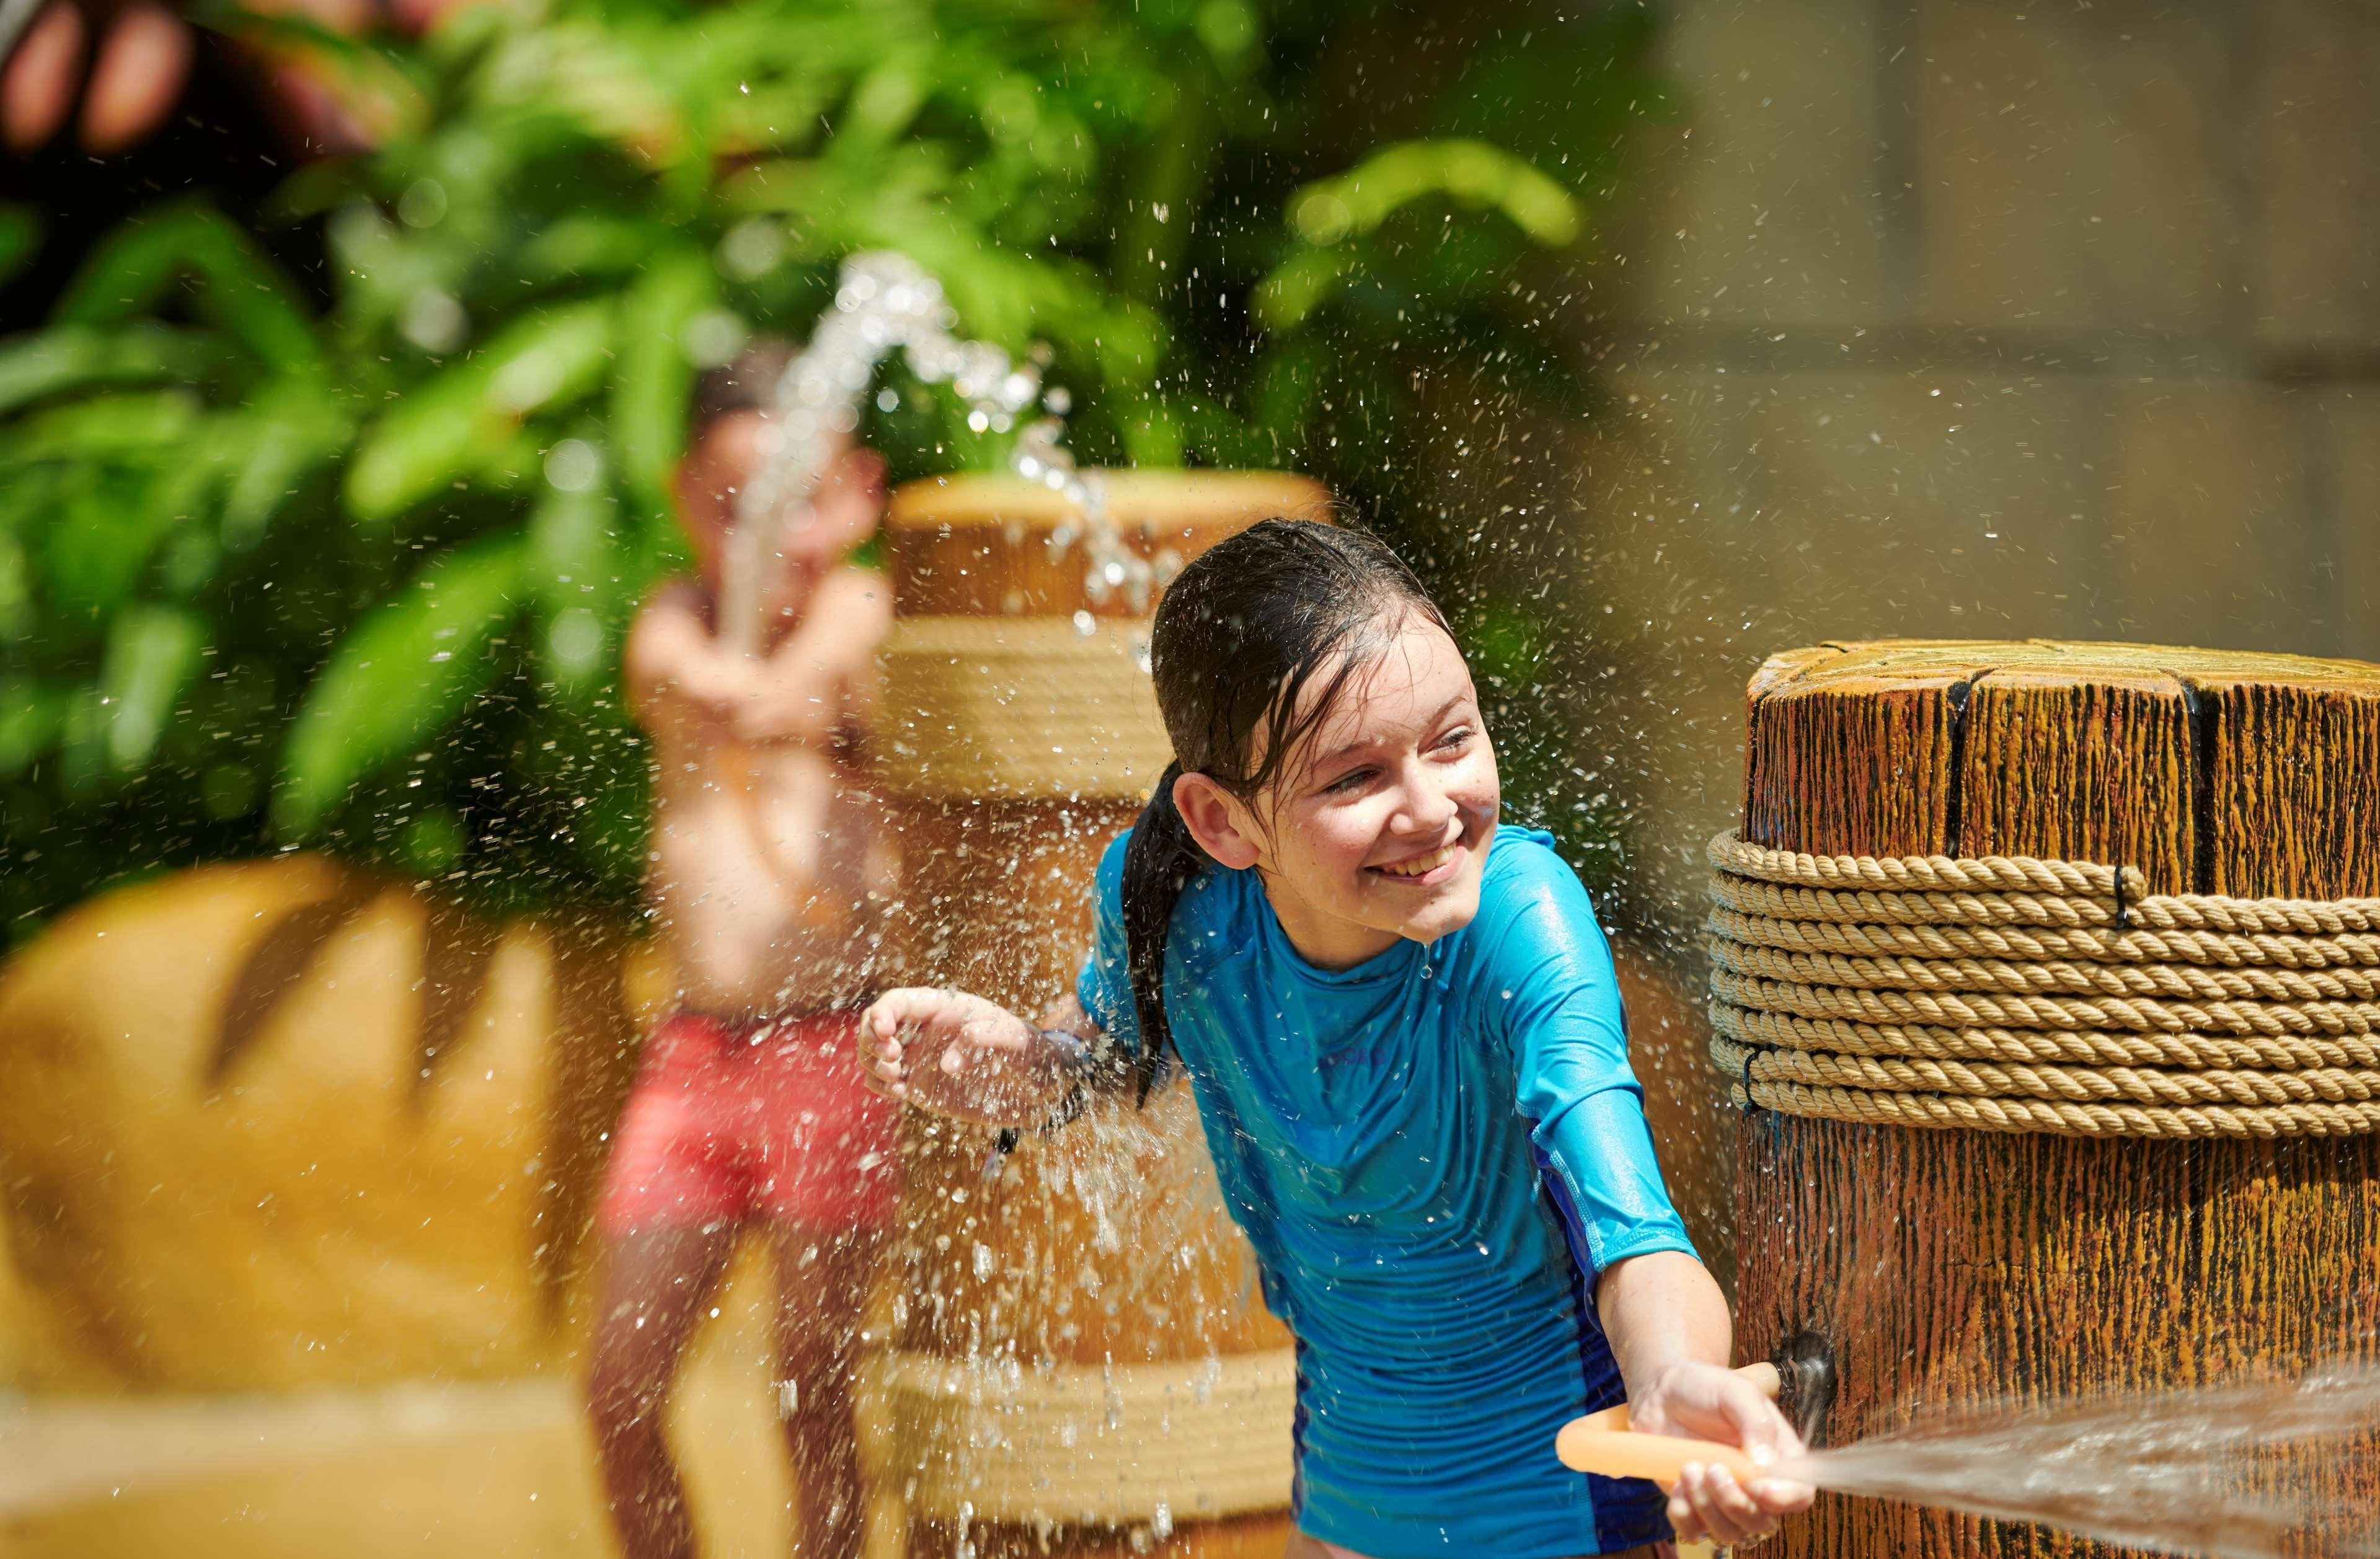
[{"x": 1400, "y": 1023}]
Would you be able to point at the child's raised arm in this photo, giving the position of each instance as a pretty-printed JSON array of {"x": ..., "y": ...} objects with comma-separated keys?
[{"x": 959, "y": 1055}]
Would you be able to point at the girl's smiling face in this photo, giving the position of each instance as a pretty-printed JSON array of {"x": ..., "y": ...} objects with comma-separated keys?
[{"x": 1377, "y": 829}]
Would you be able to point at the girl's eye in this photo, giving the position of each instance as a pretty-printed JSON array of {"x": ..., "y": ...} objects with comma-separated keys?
[
  {"x": 1348, "y": 781},
  {"x": 1460, "y": 736}
]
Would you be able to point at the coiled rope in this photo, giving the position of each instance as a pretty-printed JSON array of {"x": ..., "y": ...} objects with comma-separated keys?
[
  {"x": 1188, "y": 1440},
  {"x": 2017, "y": 995},
  {"x": 1020, "y": 707}
]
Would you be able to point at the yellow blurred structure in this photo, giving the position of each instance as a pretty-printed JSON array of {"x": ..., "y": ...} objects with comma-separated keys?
[{"x": 488, "y": 1468}]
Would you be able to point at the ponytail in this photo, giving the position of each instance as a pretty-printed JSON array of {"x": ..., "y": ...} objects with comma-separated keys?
[{"x": 1159, "y": 862}]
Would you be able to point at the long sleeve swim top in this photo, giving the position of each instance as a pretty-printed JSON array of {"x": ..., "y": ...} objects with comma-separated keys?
[{"x": 1433, "y": 1153}]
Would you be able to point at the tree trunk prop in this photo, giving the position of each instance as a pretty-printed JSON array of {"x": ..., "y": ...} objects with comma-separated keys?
[
  {"x": 1082, "y": 1364},
  {"x": 1955, "y": 1266}
]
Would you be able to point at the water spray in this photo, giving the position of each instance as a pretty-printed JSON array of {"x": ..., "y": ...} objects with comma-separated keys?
[
  {"x": 884, "y": 303},
  {"x": 2161, "y": 1471}
]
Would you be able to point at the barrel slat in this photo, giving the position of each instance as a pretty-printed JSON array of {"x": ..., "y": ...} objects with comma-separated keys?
[
  {"x": 2090, "y": 769},
  {"x": 2293, "y": 781},
  {"x": 989, "y": 546},
  {"x": 1852, "y": 775}
]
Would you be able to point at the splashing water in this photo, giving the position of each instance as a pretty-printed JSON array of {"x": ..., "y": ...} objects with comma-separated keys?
[
  {"x": 2174, "y": 1471},
  {"x": 884, "y": 303}
]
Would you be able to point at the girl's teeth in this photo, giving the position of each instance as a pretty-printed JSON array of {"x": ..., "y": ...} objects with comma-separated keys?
[{"x": 1424, "y": 866}]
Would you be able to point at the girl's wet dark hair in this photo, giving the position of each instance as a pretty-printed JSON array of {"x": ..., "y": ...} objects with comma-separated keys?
[{"x": 1240, "y": 636}]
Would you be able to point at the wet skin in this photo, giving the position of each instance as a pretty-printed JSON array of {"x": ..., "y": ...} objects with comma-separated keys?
[{"x": 657, "y": 1291}]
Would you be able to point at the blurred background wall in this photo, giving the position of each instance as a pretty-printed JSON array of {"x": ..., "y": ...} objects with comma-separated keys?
[{"x": 1973, "y": 319}]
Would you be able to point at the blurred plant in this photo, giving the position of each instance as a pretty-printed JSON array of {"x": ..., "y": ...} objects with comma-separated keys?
[{"x": 359, "y": 576}]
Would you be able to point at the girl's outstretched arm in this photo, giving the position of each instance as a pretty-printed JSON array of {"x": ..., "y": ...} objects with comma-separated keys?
[
  {"x": 959, "y": 1055},
  {"x": 1670, "y": 1334}
]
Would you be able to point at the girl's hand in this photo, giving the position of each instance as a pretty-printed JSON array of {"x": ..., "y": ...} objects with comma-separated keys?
[
  {"x": 959, "y": 1055},
  {"x": 1705, "y": 1402}
]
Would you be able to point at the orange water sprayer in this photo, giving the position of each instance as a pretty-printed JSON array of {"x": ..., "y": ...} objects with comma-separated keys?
[{"x": 1603, "y": 1443}]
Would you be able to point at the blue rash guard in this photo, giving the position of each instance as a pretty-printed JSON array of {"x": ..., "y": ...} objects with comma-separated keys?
[{"x": 1434, "y": 1153}]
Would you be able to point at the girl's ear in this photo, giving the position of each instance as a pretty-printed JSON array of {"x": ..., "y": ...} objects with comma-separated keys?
[{"x": 1214, "y": 820}]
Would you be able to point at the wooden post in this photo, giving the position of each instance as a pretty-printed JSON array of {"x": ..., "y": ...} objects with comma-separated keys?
[
  {"x": 1957, "y": 1267},
  {"x": 1954, "y": 1267}
]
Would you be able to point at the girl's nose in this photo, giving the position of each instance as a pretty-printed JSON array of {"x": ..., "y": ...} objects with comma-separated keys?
[{"x": 1427, "y": 808}]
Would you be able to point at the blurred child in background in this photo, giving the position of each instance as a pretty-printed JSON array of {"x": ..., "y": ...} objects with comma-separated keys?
[{"x": 769, "y": 874}]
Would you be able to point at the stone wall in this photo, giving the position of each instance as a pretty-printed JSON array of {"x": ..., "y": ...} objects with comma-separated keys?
[
  {"x": 1953, "y": 318},
  {"x": 1976, "y": 318}
]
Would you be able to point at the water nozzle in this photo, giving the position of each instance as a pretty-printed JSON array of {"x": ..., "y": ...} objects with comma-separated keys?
[{"x": 1805, "y": 1373}]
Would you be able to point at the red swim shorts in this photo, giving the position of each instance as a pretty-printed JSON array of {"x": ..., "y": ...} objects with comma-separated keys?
[{"x": 732, "y": 1121}]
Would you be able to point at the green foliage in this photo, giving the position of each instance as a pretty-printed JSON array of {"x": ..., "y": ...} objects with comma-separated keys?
[
  {"x": 411, "y": 665},
  {"x": 359, "y": 575}
]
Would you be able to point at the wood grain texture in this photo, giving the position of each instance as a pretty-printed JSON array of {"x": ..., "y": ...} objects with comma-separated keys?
[{"x": 1953, "y": 1267}]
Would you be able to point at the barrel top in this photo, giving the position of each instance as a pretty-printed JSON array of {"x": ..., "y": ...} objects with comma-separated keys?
[
  {"x": 1160, "y": 500},
  {"x": 2212, "y": 772},
  {"x": 1859, "y": 666}
]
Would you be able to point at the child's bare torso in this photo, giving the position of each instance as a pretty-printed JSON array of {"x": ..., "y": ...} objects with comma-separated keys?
[{"x": 771, "y": 867}]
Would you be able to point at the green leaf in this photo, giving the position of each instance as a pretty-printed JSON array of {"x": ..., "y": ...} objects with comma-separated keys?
[
  {"x": 884, "y": 103},
  {"x": 652, "y": 383},
  {"x": 400, "y": 676},
  {"x": 462, "y": 421},
  {"x": 550, "y": 361},
  {"x": 1330, "y": 213},
  {"x": 1299, "y": 285},
  {"x": 30, "y": 719},
  {"x": 68, "y": 358},
  {"x": 82, "y": 744},
  {"x": 1231, "y": 31},
  {"x": 153, "y": 652},
  {"x": 575, "y": 569},
  {"x": 433, "y": 439},
  {"x": 240, "y": 288},
  {"x": 591, "y": 244},
  {"x": 590, "y": 74},
  {"x": 102, "y": 430},
  {"x": 296, "y": 435},
  {"x": 433, "y": 841},
  {"x": 1472, "y": 172},
  {"x": 18, "y": 616},
  {"x": 103, "y": 537}
]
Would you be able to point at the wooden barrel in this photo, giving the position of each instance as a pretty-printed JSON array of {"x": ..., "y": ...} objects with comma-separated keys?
[
  {"x": 1950, "y": 1267},
  {"x": 1081, "y": 1362}
]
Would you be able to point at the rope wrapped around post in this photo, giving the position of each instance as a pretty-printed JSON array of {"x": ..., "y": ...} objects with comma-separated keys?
[{"x": 2019, "y": 995}]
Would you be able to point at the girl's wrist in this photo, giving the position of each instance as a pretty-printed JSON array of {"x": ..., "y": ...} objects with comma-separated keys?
[
  {"x": 1648, "y": 1379},
  {"x": 1078, "y": 1063},
  {"x": 1657, "y": 1376}
]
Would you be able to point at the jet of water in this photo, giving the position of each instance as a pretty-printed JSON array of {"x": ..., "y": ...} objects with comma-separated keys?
[
  {"x": 2177, "y": 1472},
  {"x": 885, "y": 302}
]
